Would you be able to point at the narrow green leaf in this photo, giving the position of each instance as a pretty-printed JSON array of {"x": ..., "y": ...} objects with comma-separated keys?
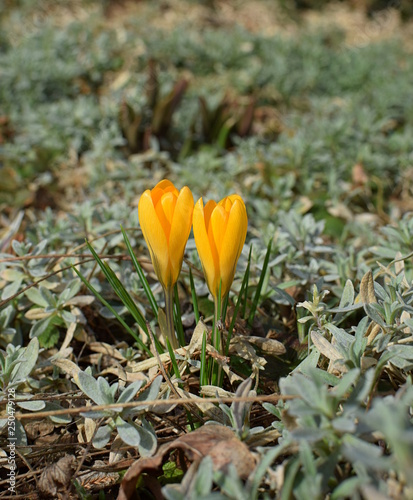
[
  {"x": 141, "y": 275},
  {"x": 203, "y": 374},
  {"x": 178, "y": 318},
  {"x": 237, "y": 306},
  {"x": 246, "y": 277},
  {"x": 224, "y": 307},
  {"x": 119, "y": 289},
  {"x": 194, "y": 297},
  {"x": 113, "y": 311},
  {"x": 173, "y": 360},
  {"x": 260, "y": 284}
]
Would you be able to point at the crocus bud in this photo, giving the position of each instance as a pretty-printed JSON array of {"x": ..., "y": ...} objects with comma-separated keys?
[
  {"x": 220, "y": 231},
  {"x": 165, "y": 217}
]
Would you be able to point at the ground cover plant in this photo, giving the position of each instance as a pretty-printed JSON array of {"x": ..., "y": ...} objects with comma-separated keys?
[{"x": 144, "y": 361}]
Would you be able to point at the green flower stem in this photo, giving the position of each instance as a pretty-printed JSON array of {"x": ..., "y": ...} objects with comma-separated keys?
[
  {"x": 216, "y": 339},
  {"x": 169, "y": 313}
]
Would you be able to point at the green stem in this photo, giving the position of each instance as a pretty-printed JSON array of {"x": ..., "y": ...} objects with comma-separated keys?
[
  {"x": 216, "y": 338},
  {"x": 169, "y": 313}
]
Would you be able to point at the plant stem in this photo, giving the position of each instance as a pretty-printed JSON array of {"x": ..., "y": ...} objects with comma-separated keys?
[
  {"x": 169, "y": 313},
  {"x": 216, "y": 338}
]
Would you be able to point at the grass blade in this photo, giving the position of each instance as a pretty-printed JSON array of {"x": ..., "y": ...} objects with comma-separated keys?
[
  {"x": 141, "y": 275},
  {"x": 224, "y": 308},
  {"x": 237, "y": 305},
  {"x": 204, "y": 369},
  {"x": 259, "y": 286},
  {"x": 178, "y": 318},
  {"x": 113, "y": 311},
  {"x": 194, "y": 297},
  {"x": 119, "y": 289},
  {"x": 173, "y": 361},
  {"x": 247, "y": 276}
]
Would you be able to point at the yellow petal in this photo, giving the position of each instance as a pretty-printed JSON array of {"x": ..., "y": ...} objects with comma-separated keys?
[
  {"x": 180, "y": 229},
  {"x": 208, "y": 209},
  {"x": 233, "y": 241},
  {"x": 161, "y": 188},
  {"x": 218, "y": 224},
  {"x": 164, "y": 205},
  {"x": 203, "y": 244},
  {"x": 155, "y": 237},
  {"x": 166, "y": 185}
]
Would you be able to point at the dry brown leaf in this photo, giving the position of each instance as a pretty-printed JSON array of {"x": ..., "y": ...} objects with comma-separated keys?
[
  {"x": 36, "y": 429},
  {"x": 325, "y": 347},
  {"x": 216, "y": 441},
  {"x": 372, "y": 331},
  {"x": 405, "y": 315},
  {"x": 264, "y": 438},
  {"x": 208, "y": 409},
  {"x": 267, "y": 346},
  {"x": 212, "y": 391},
  {"x": 107, "y": 349},
  {"x": 68, "y": 339},
  {"x": 244, "y": 349},
  {"x": 367, "y": 294},
  {"x": 117, "y": 370},
  {"x": 56, "y": 479},
  {"x": 142, "y": 366},
  {"x": 66, "y": 366},
  {"x": 328, "y": 350}
]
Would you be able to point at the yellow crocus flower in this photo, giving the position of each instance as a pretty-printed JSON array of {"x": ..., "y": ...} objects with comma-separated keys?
[
  {"x": 165, "y": 217},
  {"x": 220, "y": 230}
]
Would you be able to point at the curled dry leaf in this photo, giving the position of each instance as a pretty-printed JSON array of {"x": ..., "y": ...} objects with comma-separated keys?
[
  {"x": 372, "y": 331},
  {"x": 216, "y": 441},
  {"x": 208, "y": 409},
  {"x": 107, "y": 349},
  {"x": 367, "y": 294},
  {"x": 267, "y": 346},
  {"x": 37, "y": 429},
  {"x": 241, "y": 346},
  {"x": 212, "y": 391},
  {"x": 66, "y": 366},
  {"x": 56, "y": 478}
]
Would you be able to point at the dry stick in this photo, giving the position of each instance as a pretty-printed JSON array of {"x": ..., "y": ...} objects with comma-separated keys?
[
  {"x": 47, "y": 397},
  {"x": 166, "y": 377},
  {"x": 155, "y": 402},
  {"x": 46, "y": 256},
  {"x": 65, "y": 255},
  {"x": 31, "y": 471}
]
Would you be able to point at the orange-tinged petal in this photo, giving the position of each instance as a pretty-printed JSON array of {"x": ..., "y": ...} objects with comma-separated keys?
[
  {"x": 220, "y": 231},
  {"x": 155, "y": 237},
  {"x": 208, "y": 209},
  {"x": 168, "y": 202},
  {"x": 160, "y": 213},
  {"x": 203, "y": 244},
  {"x": 161, "y": 188},
  {"x": 180, "y": 228},
  {"x": 218, "y": 224},
  {"x": 233, "y": 241}
]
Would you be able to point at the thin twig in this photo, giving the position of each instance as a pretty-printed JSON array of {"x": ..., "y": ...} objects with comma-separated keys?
[{"x": 155, "y": 402}]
